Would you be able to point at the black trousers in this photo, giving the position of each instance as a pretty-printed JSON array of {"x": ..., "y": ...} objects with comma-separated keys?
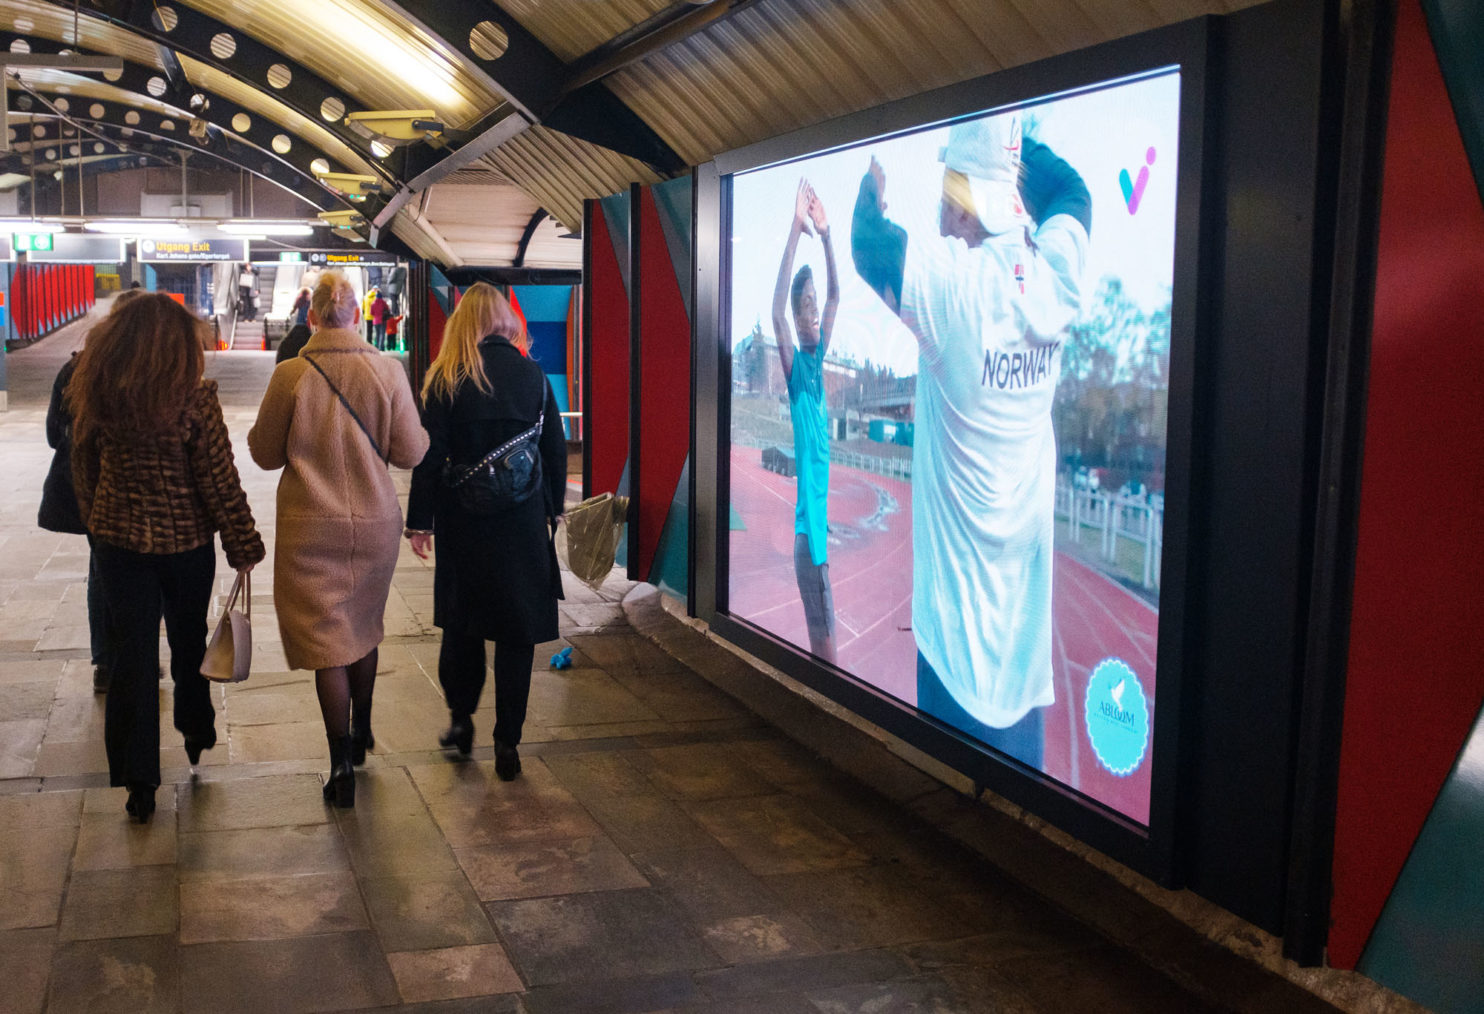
[
  {"x": 138, "y": 589},
  {"x": 461, "y": 671},
  {"x": 97, "y": 611}
]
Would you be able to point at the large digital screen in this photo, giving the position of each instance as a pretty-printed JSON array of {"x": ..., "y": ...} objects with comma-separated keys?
[{"x": 950, "y": 378}]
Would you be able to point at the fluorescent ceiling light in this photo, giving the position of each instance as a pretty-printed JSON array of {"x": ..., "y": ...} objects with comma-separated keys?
[
  {"x": 25, "y": 225},
  {"x": 136, "y": 227},
  {"x": 251, "y": 228}
]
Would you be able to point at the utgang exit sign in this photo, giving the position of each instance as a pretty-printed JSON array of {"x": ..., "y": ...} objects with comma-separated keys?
[{"x": 32, "y": 241}]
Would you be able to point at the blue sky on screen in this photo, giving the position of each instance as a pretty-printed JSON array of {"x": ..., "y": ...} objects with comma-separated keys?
[{"x": 1101, "y": 133}]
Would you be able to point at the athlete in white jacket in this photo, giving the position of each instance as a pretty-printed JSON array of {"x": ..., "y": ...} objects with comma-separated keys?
[{"x": 989, "y": 299}]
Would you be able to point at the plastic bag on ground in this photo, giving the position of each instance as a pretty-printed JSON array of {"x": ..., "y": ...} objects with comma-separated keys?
[{"x": 588, "y": 542}]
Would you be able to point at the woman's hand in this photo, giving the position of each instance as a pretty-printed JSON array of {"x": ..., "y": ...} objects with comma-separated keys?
[{"x": 422, "y": 542}]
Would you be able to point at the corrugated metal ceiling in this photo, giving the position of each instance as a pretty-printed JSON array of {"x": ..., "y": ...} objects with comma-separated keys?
[
  {"x": 559, "y": 171},
  {"x": 774, "y": 66}
]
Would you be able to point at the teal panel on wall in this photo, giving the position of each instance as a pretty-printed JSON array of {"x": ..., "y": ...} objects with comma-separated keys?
[
  {"x": 1429, "y": 941},
  {"x": 615, "y": 209},
  {"x": 673, "y": 201},
  {"x": 543, "y": 302},
  {"x": 1457, "y": 30},
  {"x": 670, "y": 571}
]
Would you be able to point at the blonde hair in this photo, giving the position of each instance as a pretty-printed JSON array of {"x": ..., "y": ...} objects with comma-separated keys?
[
  {"x": 483, "y": 311},
  {"x": 334, "y": 301}
]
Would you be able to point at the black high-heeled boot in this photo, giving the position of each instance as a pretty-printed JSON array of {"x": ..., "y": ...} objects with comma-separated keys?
[
  {"x": 361, "y": 740},
  {"x": 507, "y": 761},
  {"x": 195, "y": 744},
  {"x": 340, "y": 785},
  {"x": 141, "y": 804},
  {"x": 459, "y": 735}
]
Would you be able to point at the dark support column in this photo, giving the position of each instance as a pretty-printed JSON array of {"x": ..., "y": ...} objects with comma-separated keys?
[
  {"x": 1360, "y": 137},
  {"x": 419, "y": 348}
]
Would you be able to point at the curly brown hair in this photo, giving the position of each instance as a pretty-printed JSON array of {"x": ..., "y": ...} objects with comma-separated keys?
[{"x": 139, "y": 368}]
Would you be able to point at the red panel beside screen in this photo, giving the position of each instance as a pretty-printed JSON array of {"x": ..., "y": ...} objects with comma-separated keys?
[
  {"x": 664, "y": 378},
  {"x": 437, "y": 320},
  {"x": 608, "y": 442},
  {"x": 1416, "y": 670}
]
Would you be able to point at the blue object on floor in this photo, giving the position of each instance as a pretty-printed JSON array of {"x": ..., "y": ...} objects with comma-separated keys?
[{"x": 562, "y": 659}]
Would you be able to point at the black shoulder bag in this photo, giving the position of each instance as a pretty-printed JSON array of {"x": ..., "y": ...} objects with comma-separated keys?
[
  {"x": 318, "y": 369},
  {"x": 505, "y": 477}
]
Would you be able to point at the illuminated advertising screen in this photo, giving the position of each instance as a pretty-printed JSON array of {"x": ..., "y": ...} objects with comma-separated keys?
[{"x": 950, "y": 378}]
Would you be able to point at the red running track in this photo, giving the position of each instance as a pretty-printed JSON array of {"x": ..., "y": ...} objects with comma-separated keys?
[{"x": 870, "y": 559}]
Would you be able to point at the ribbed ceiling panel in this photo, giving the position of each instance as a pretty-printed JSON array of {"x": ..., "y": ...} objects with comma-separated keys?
[
  {"x": 775, "y": 67},
  {"x": 570, "y": 30},
  {"x": 28, "y": 17},
  {"x": 559, "y": 171}
]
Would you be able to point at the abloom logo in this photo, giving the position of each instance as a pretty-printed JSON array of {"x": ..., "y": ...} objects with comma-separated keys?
[{"x": 1133, "y": 190}]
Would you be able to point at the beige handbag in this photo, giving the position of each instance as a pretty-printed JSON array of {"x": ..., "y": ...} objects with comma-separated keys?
[{"x": 229, "y": 654}]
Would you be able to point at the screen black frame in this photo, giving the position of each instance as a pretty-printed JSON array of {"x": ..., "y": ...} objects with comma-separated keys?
[{"x": 1149, "y": 849}]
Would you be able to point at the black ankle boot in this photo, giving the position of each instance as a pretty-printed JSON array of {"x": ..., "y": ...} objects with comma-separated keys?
[
  {"x": 459, "y": 735},
  {"x": 340, "y": 785},
  {"x": 361, "y": 740},
  {"x": 141, "y": 804},
  {"x": 507, "y": 761}
]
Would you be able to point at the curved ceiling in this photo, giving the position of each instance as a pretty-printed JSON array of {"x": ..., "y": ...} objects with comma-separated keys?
[{"x": 545, "y": 103}]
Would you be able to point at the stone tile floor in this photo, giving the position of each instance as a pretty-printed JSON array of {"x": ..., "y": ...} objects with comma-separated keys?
[{"x": 665, "y": 850}]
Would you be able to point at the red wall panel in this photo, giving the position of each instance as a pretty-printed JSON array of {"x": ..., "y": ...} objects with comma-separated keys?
[
  {"x": 607, "y": 439},
  {"x": 1416, "y": 668},
  {"x": 664, "y": 378}
]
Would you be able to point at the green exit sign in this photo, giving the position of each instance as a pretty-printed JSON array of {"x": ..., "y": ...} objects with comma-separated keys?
[{"x": 32, "y": 241}]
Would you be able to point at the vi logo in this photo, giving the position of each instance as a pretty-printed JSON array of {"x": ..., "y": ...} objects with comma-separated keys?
[{"x": 1133, "y": 189}]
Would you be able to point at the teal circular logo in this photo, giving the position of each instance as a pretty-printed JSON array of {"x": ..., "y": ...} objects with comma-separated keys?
[{"x": 1117, "y": 714}]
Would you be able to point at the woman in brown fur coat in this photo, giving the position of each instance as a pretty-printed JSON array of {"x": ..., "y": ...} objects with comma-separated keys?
[
  {"x": 333, "y": 418},
  {"x": 153, "y": 470}
]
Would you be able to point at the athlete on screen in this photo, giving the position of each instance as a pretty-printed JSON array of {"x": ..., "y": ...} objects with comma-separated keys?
[
  {"x": 803, "y": 372},
  {"x": 989, "y": 299}
]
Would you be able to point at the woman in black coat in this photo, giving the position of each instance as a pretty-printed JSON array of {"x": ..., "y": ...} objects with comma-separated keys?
[{"x": 496, "y": 576}]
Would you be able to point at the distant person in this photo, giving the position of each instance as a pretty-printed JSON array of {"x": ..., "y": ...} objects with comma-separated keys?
[
  {"x": 153, "y": 471},
  {"x": 989, "y": 298},
  {"x": 394, "y": 332},
  {"x": 379, "y": 311},
  {"x": 300, "y": 309},
  {"x": 366, "y": 302},
  {"x": 293, "y": 342},
  {"x": 333, "y": 418},
  {"x": 247, "y": 280},
  {"x": 496, "y": 577},
  {"x": 803, "y": 374},
  {"x": 59, "y": 511},
  {"x": 134, "y": 285}
]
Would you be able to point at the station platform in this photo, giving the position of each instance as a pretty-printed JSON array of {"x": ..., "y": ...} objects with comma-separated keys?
[{"x": 666, "y": 848}]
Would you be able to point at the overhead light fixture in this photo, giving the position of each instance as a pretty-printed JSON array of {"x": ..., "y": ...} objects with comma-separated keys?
[
  {"x": 343, "y": 219},
  {"x": 26, "y": 225},
  {"x": 136, "y": 227},
  {"x": 249, "y": 227},
  {"x": 395, "y": 124},
  {"x": 351, "y": 184}
]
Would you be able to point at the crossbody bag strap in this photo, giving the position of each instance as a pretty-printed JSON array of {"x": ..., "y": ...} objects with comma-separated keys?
[
  {"x": 320, "y": 370},
  {"x": 534, "y": 431}
]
